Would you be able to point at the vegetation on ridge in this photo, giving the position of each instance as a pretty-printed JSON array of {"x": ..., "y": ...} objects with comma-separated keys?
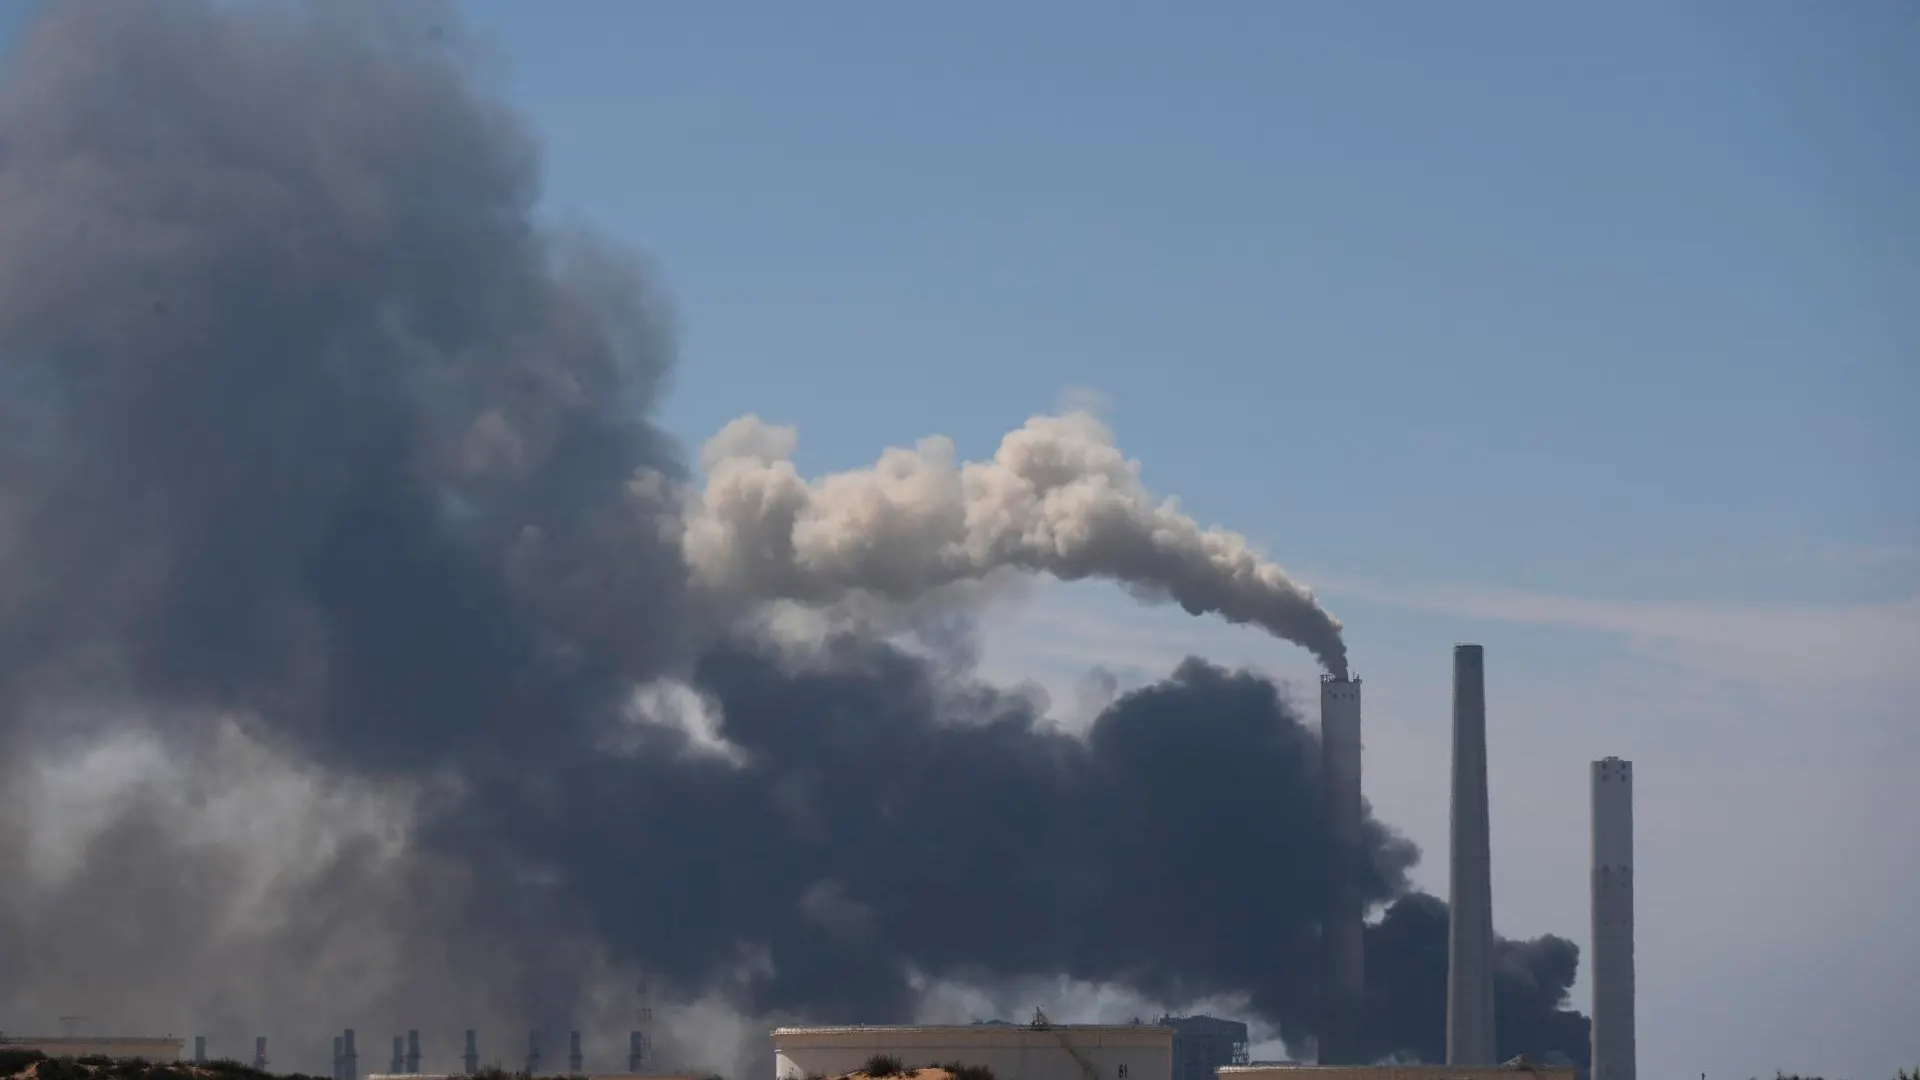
[{"x": 20, "y": 1064}]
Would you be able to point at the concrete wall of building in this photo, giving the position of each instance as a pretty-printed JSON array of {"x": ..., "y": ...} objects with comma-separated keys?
[
  {"x": 124, "y": 1047},
  {"x": 1012, "y": 1051},
  {"x": 556, "y": 1076},
  {"x": 1399, "y": 1072}
]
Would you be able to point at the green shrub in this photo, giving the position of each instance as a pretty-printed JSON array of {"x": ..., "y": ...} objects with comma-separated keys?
[
  {"x": 229, "y": 1069},
  {"x": 63, "y": 1069},
  {"x": 18, "y": 1061}
]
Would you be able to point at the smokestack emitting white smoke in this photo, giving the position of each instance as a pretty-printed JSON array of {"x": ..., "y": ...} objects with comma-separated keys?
[
  {"x": 1058, "y": 498},
  {"x": 1344, "y": 936}
]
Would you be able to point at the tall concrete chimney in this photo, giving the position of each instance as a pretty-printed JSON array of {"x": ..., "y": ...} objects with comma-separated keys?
[
  {"x": 399, "y": 1063},
  {"x": 636, "y": 1051},
  {"x": 1470, "y": 891},
  {"x": 1342, "y": 934},
  {"x": 471, "y": 1059},
  {"x": 413, "y": 1050},
  {"x": 1613, "y": 1042},
  {"x": 199, "y": 1049},
  {"x": 339, "y": 1057},
  {"x": 533, "y": 1053},
  {"x": 576, "y": 1064},
  {"x": 260, "y": 1052},
  {"x": 349, "y": 1058}
]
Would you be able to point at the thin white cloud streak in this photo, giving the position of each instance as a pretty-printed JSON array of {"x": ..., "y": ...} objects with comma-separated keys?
[{"x": 1767, "y": 644}]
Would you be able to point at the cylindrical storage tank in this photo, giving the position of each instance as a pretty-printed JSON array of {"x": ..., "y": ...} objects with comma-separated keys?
[{"x": 1012, "y": 1051}]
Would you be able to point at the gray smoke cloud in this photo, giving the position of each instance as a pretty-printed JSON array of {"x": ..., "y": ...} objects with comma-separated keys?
[
  {"x": 1058, "y": 498},
  {"x": 303, "y": 414},
  {"x": 368, "y": 658},
  {"x": 309, "y": 435},
  {"x": 223, "y": 886}
]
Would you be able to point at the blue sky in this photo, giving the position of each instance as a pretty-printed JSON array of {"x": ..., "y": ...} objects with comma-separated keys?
[{"x": 1591, "y": 335}]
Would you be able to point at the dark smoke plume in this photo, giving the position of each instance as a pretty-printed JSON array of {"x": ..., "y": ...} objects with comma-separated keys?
[
  {"x": 1407, "y": 989},
  {"x": 351, "y": 673}
]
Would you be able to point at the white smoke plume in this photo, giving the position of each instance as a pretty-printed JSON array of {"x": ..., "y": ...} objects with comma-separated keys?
[{"x": 1057, "y": 498}]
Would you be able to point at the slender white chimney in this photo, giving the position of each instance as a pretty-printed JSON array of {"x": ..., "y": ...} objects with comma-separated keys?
[
  {"x": 1343, "y": 928},
  {"x": 1613, "y": 1042},
  {"x": 1470, "y": 893}
]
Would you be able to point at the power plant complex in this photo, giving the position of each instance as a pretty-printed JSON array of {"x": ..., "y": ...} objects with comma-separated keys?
[
  {"x": 1471, "y": 1023},
  {"x": 1042, "y": 1051},
  {"x": 1193, "y": 1048}
]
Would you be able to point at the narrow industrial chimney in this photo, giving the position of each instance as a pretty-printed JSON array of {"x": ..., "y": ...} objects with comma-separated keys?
[
  {"x": 471, "y": 1059},
  {"x": 1343, "y": 928},
  {"x": 199, "y": 1049},
  {"x": 1613, "y": 1041},
  {"x": 260, "y": 1052},
  {"x": 339, "y": 1057},
  {"x": 1470, "y": 893},
  {"x": 636, "y": 1051},
  {"x": 349, "y": 1058},
  {"x": 413, "y": 1050},
  {"x": 576, "y": 1064},
  {"x": 399, "y": 1063}
]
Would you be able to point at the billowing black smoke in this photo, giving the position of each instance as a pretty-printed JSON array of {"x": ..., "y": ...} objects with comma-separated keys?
[
  {"x": 307, "y": 425},
  {"x": 1407, "y": 989}
]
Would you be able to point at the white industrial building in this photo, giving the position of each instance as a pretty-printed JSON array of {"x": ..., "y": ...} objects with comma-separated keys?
[
  {"x": 118, "y": 1047},
  {"x": 1038, "y": 1051},
  {"x": 1517, "y": 1069},
  {"x": 549, "y": 1076}
]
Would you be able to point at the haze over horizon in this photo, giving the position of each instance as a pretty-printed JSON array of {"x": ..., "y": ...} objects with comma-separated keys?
[{"x": 1578, "y": 334}]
